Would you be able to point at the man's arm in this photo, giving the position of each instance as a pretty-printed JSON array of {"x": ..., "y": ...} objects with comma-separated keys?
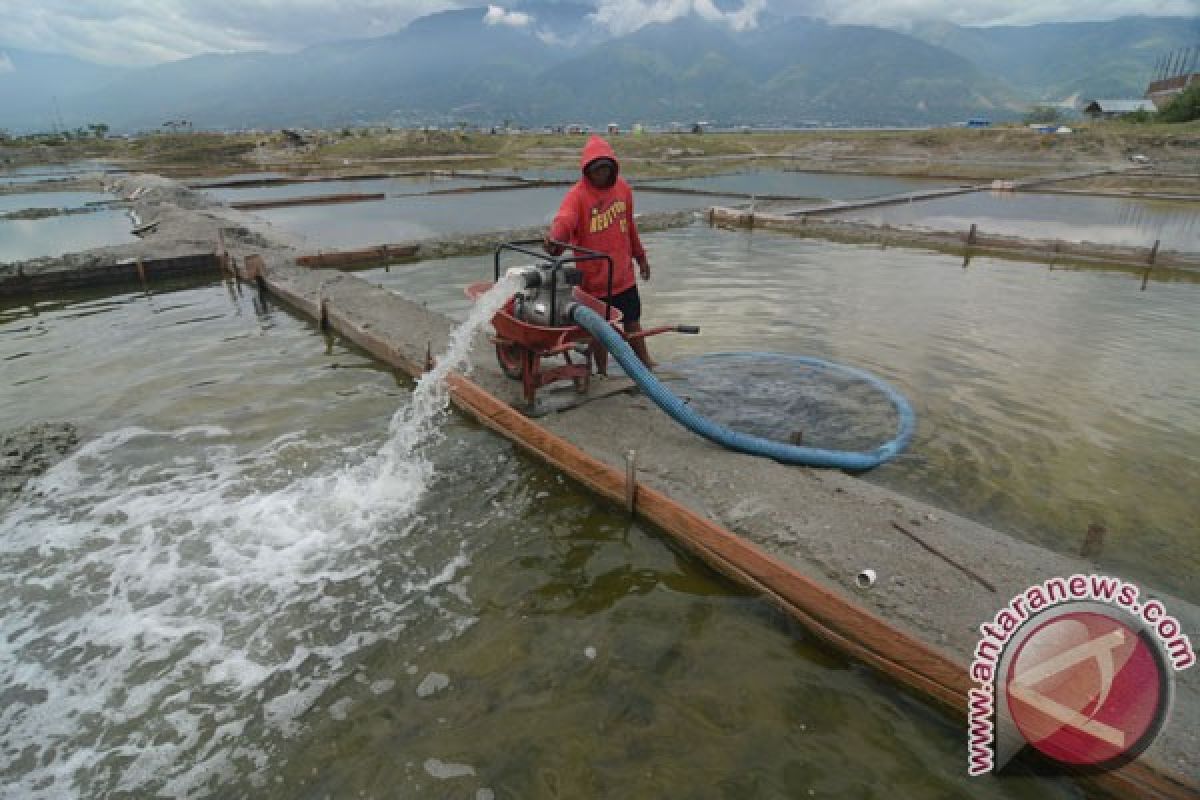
[
  {"x": 635, "y": 243},
  {"x": 564, "y": 226}
]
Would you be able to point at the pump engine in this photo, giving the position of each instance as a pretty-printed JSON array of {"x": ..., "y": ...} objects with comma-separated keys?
[{"x": 547, "y": 293}]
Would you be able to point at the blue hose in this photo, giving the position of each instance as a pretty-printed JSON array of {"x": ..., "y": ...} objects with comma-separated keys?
[{"x": 852, "y": 460}]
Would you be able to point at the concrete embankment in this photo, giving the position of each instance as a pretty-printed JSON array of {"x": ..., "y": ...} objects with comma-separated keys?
[
  {"x": 799, "y": 536},
  {"x": 968, "y": 243}
]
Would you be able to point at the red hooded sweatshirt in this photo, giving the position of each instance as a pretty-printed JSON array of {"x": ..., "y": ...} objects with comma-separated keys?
[{"x": 600, "y": 219}]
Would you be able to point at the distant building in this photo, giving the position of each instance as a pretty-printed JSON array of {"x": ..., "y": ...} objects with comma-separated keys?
[
  {"x": 1161, "y": 93},
  {"x": 979, "y": 122},
  {"x": 1173, "y": 73},
  {"x": 1111, "y": 109}
]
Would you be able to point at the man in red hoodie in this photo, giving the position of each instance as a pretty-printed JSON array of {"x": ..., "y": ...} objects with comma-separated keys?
[{"x": 597, "y": 213}]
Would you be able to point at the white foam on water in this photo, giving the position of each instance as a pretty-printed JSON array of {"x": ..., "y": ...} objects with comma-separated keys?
[{"x": 161, "y": 618}]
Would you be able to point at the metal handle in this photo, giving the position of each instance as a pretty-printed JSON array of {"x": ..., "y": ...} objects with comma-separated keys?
[{"x": 519, "y": 246}]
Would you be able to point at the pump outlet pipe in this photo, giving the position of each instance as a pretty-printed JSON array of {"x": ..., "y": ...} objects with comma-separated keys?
[{"x": 852, "y": 460}]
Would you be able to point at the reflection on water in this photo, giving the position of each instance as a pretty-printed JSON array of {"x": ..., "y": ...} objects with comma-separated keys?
[
  {"x": 407, "y": 218},
  {"x": 44, "y": 172},
  {"x": 540, "y": 173},
  {"x": 187, "y": 613},
  {"x": 17, "y": 202},
  {"x": 390, "y": 186},
  {"x": 22, "y": 239},
  {"x": 787, "y": 183},
  {"x": 1104, "y": 220},
  {"x": 1047, "y": 400}
]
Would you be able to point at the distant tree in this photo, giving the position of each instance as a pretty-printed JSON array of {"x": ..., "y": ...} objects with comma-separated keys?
[
  {"x": 1184, "y": 108},
  {"x": 1042, "y": 115}
]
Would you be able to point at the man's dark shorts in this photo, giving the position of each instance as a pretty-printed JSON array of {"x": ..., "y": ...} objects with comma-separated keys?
[{"x": 629, "y": 302}]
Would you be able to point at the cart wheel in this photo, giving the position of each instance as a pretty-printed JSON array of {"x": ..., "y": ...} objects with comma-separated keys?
[{"x": 511, "y": 363}]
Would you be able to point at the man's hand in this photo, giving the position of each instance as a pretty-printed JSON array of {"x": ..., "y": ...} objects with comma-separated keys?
[
  {"x": 644, "y": 263},
  {"x": 550, "y": 246}
]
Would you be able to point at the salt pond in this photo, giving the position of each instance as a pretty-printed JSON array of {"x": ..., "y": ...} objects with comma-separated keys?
[
  {"x": 22, "y": 239},
  {"x": 239, "y": 586},
  {"x": 63, "y": 200},
  {"x": 407, "y": 218},
  {"x": 817, "y": 185},
  {"x": 1104, "y": 220},
  {"x": 1048, "y": 400}
]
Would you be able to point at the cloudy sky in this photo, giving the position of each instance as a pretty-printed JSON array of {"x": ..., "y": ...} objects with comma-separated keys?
[{"x": 149, "y": 31}]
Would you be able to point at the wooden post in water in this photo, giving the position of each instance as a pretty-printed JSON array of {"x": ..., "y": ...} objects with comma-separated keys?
[
  {"x": 254, "y": 268},
  {"x": 971, "y": 234},
  {"x": 222, "y": 253},
  {"x": 630, "y": 480},
  {"x": 1093, "y": 541},
  {"x": 1153, "y": 252}
]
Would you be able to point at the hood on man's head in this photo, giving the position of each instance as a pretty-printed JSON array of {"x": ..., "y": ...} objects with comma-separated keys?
[{"x": 594, "y": 149}]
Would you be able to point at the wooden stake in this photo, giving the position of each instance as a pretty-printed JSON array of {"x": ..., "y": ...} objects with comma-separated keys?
[{"x": 630, "y": 480}]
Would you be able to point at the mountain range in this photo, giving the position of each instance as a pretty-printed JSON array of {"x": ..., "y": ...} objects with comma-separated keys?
[{"x": 551, "y": 63}]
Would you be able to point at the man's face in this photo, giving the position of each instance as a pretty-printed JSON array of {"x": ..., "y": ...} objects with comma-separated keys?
[{"x": 602, "y": 173}]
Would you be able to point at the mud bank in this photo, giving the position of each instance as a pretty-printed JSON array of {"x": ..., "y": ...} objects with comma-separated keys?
[{"x": 29, "y": 451}]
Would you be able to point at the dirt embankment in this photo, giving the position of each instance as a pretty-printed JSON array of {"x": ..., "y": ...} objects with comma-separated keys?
[
  {"x": 953, "y": 153},
  {"x": 27, "y": 452}
]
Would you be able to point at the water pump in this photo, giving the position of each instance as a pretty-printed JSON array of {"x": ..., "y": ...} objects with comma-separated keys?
[{"x": 546, "y": 294}]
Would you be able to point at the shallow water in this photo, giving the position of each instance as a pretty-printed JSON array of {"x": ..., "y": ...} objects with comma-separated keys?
[
  {"x": 1104, "y": 220},
  {"x": 17, "y": 202},
  {"x": 22, "y": 239},
  {"x": 42, "y": 172},
  {"x": 787, "y": 183},
  {"x": 407, "y": 218},
  {"x": 204, "y": 601},
  {"x": 392, "y": 187},
  {"x": 1047, "y": 399}
]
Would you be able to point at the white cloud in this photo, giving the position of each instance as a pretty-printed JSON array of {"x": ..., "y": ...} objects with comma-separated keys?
[
  {"x": 625, "y": 16},
  {"x": 148, "y": 31},
  {"x": 902, "y": 13},
  {"x": 6, "y": 65},
  {"x": 554, "y": 40},
  {"x": 514, "y": 19}
]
